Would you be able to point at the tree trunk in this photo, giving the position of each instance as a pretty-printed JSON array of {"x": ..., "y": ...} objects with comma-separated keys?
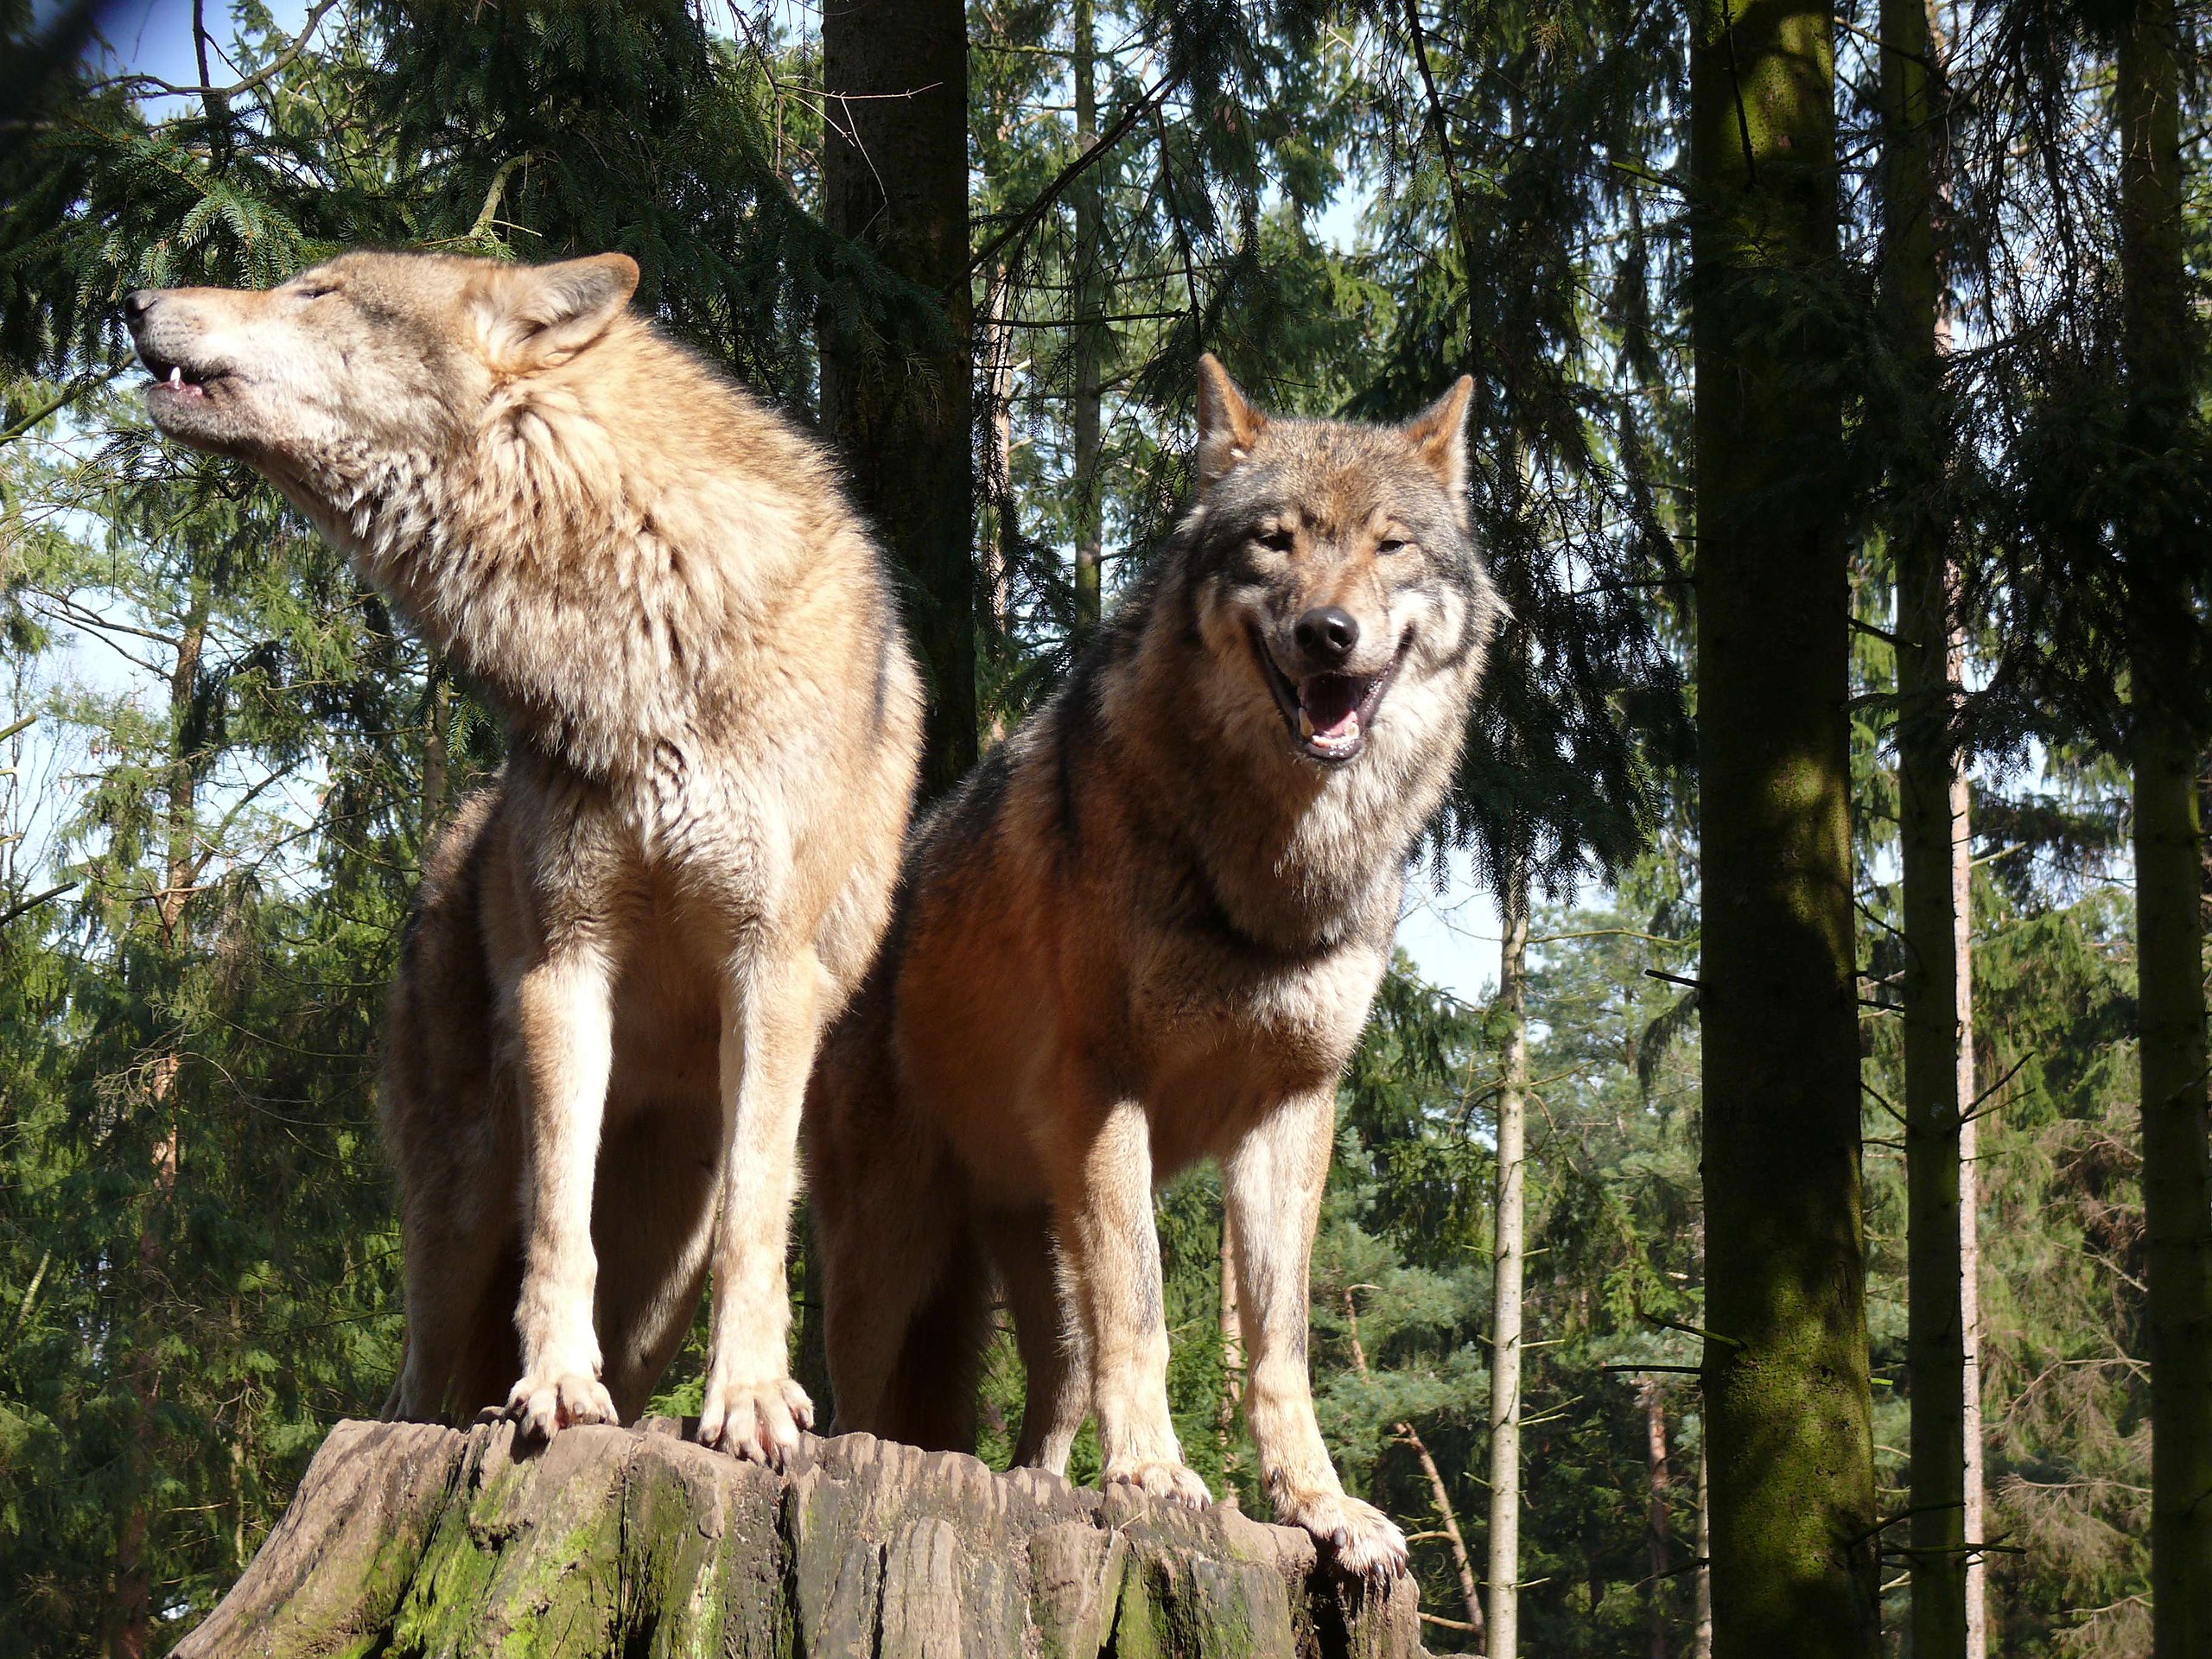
[
  {"x": 437, "y": 767},
  {"x": 1089, "y": 291},
  {"x": 2170, "y": 1026},
  {"x": 1701, "y": 1632},
  {"x": 408, "y": 1538},
  {"x": 131, "y": 1598},
  {"x": 1232, "y": 1355},
  {"x": 1930, "y": 784},
  {"x": 1505, "y": 1315},
  {"x": 1977, "y": 1524},
  {"x": 2168, "y": 919},
  {"x": 1659, "y": 1524},
  {"x": 1789, "y": 1430},
  {"x": 1004, "y": 543},
  {"x": 894, "y": 173}
]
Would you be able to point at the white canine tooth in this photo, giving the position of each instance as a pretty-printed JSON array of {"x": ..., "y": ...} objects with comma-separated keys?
[
  {"x": 176, "y": 375},
  {"x": 1305, "y": 724}
]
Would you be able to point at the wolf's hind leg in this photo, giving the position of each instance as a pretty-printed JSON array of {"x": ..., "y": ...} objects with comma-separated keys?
[
  {"x": 1056, "y": 1376},
  {"x": 1274, "y": 1181},
  {"x": 931, "y": 1401},
  {"x": 907, "y": 1292},
  {"x": 460, "y": 1229},
  {"x": 445, "y": 1298}
]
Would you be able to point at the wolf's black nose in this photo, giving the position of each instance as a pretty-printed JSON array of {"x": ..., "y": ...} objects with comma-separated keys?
[
  {"x": 1326, "y": 634},
  {"x": 136, "y": 304}
]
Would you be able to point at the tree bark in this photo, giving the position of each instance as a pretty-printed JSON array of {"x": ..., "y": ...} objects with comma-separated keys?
[
  {"x": 1977, "y": 1524},
  {"x": 1004, "y": 543},
  {"x": 1505, "y": 1315},
  {"x": 2176, "y": 1191},
  {"x": 1702, "y": 1631},
  {"x": 2157, "y": 343},
  {"x": 1788, "y": 1429},
  {"x": 1658, "y": 1523},
  {"x": 1931, "y": 786},
  {"x": 408, "y": 1538},
  {"x": 1089, "y": 291},
  {"x": 894, "y": 175},
  {"x": 131, "y": 1598},
  {"x": 1232, "y": 1355},
  {"x": 438, "y": 770}
]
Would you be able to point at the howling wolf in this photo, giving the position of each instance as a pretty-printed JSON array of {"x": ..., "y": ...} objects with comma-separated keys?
[
  {"x": 1147, "y": 930},
  {"x": 627, "y": 946}
]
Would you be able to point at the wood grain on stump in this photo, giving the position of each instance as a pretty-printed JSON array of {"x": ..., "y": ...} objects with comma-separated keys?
[{"x": 407, "y": 1540}]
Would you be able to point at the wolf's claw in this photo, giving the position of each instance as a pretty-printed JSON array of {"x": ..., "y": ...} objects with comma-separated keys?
[
  {"x": 1173, "y": 1482},
  {"x": 545, "y": 1405},
  {"x": 759, "y": 1421},
  {"x": 1362, "y": 1540}
]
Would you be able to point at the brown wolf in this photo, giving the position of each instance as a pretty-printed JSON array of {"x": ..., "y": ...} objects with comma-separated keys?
[
  {"x": 1145, "y": 930},
  {"x": 627, "y": 946}
]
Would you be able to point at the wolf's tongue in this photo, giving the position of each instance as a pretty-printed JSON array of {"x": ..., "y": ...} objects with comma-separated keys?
[{"x": 1331, "y": 703}]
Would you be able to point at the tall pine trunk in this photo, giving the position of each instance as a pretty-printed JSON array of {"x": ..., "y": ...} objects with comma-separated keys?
[
  {"x": 1003, "y": 545},
  {"x": 1701, "y": 1625},
  {"x": 1089, "y": 291},
  {"x": 1977, "y": 1526},
  {"x": 2170, "y": 937},
  {"x": 1659, "y": 1529},
  {"x": 131, "y": 1610},
  {"x": 1788, "y": 1422},
  {"x": 895, "y": 172},
  {"x": 1930, "y": 823},
  {"x": 1232, "y": 1358},
  {"x": 1504, "y": 1608},
  {"x": 437, "y": 762}
]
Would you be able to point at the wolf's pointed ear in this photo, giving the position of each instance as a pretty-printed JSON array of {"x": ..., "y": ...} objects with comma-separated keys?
[
  {"x": 1227, "y": 423},
  {"x": 1439, "y": 436},
  {"x": 533, "y": 316}
]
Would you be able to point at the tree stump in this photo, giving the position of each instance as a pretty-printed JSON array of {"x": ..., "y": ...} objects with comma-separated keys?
[{"x": 406, "y": 1539}]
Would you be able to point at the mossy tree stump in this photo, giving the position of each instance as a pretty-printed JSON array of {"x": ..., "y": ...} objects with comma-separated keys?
[{"x": 410, "y": 1540}]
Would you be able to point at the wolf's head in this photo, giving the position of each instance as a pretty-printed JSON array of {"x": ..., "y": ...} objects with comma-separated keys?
[
  {"x": 366, "y": 355},
  {"x": 1334, "y": 562}
]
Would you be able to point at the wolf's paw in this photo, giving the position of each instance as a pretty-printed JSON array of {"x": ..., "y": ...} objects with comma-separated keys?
[
  {"x": 1364, "y": 1542},
  {"x": 1173, "y": 1481},
  {"x": 760, "y": 1420},
  {"x": 544, "y": 1405}
]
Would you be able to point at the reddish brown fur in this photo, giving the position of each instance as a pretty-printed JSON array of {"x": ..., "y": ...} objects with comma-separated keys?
[{"x": 1146, "y": 931}]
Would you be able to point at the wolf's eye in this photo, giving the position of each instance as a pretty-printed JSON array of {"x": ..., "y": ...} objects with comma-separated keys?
[
  {"x": 316, "y": 290},
  {"x": 1393, "y": 544},
  {"x": 1278, "y": 540}
]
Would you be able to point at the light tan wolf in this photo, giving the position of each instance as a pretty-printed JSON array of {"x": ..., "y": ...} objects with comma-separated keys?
[
  {"x": 1146, "y": 930},
  {"x": 627, "y": 947}
]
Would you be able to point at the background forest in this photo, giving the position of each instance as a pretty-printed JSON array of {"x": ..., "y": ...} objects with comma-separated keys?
[{"x": 1869, "y": 399}]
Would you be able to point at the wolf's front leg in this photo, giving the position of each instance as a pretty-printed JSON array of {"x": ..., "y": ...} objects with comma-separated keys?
[
  {"x": 1104, "y": 1202},
  {"x": 1273, "y": 1182},
  {"x": 770, "y": 1027},
  {"x": 564, "y": 1007}
]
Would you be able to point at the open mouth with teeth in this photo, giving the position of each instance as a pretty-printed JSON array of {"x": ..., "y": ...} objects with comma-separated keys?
[
  {"x": 173, "y": 379},
  {"x": 1328, "y": 714}
]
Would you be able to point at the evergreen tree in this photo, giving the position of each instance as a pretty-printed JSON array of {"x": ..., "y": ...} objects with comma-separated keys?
[{"x": 1786, "y": 1391}]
